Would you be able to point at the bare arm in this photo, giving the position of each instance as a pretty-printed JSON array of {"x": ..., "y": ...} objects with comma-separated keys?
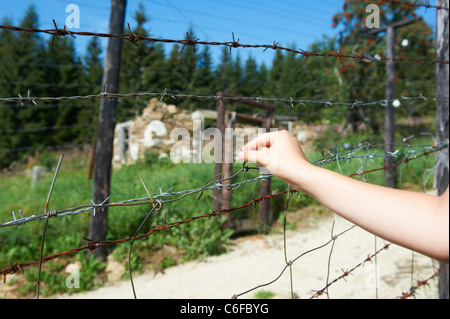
[{"x": 416, "y": 221}]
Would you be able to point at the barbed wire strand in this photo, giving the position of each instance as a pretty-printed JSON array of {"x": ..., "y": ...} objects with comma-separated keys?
[
  {"x": 320, "y": 292},
  {"x": 288, "y": 263},
  {"x": 136, "y": 38},
  {"x": 102, "y": 95},
  {"x": 49, "y": 214},
  {"x": 131, "y": 246},
  {"x": 409, "y": 4},
  {"x": 413, "y": 290}
]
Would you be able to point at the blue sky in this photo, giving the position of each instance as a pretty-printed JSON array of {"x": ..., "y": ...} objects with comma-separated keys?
[{"x": 287, "y": 22}]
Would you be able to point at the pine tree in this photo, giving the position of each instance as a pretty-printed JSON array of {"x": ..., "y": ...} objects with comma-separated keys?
[
  {"x": 187, "y": 68},
  {"x": 21, "y": 63},
  {"x": 250, "y": 80},
  {"x": 135, "y": 58},
  {"x": 93, "y": 66},
  {"x": 8, "y": 76},
  {"x": 63, "y": 75},
  {"x": 227, "y": 73},
  {"x": 203, "y": 78},
  {"x": 172, "y": 73},
  {"x": 321, "y": 81},
  {"x": 92, "y": 77}
]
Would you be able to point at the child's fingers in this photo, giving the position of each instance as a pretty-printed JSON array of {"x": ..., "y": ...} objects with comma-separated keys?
[
  {"x": 251, "y": 156},
  {"x": 264, "y": 140}
]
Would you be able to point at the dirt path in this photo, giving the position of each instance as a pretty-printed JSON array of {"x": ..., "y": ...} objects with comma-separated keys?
[{"x": 256, "y": 260}]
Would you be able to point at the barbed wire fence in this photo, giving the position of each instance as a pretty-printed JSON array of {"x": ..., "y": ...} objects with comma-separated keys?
[{"x": 157, "y": 202}]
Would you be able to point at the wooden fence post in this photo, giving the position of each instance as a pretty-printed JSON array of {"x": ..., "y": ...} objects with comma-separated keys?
[
  {"x": 265, "y": 188},
  {"x": 442, "y": 117},
  {"x": 389, "y": 122},
  {"x": 218, "y": 150},
  {"x": 105, "y": 128},
  {"x": 228, "y": 162}
]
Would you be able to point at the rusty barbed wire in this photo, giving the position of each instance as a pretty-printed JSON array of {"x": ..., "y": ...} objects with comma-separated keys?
[
  {"x": 408, "y": 4},
  {"x": 136, "y": 38},
  {"x": 346, "y": 273},
  {"x": 412, "y": 291}
]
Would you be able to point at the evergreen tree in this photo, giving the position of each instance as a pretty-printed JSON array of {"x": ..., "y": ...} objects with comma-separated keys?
[
  {"x": 8, "y": 76},
  {"x": 227, "y": 73},
  {"x": 187, "y": 67},
  {"x": 172, "y": 71},
  {"x": 21, "y": 65},
  {"x": 135, "y": 58},
  {"x": 275, "y": 75},
  {"x": 63, "y": 76},
  {"x": 366, "y": 81},
  {"x": 322, "y": 81},
  {"x": 251, "y": 85},
  {"x": 92, "y": 77},
  {"x": 203, "y": 78}
]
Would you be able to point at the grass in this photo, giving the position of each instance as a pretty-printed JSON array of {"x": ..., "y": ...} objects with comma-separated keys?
[
  {"x": 264, "y": 294},
  {"x": 192, "y": 240}
]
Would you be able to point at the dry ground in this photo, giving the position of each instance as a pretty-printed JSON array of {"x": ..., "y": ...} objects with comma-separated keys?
[{"x": 255, "y": 260}]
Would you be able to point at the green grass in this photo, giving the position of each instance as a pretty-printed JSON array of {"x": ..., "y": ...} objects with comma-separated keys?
[
  {"x": 193, "y": 240},
  {"x": 264, "y": 294}
]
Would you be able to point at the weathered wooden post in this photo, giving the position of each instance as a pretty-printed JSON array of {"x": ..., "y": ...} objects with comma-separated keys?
[
  {"x": 389, "y": 122},
  {"x": 218, "y": 150},
  {"x": 442, "y": 91},
  {"x": 105, "y": 129}
]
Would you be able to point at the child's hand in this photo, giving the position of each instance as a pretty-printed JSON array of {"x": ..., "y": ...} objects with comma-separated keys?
[{"x": 279, "y": 152}]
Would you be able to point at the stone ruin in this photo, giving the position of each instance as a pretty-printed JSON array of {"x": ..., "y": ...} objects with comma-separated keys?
[{"x": 152, "y": 131}]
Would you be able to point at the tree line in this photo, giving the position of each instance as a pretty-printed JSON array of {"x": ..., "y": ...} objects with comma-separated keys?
[{"x": 29, "y": 61}]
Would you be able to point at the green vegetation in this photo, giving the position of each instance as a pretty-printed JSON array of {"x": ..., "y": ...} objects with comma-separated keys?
[{"x": 264, "y": 294}]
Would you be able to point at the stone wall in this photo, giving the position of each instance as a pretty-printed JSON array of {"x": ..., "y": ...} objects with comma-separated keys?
[{"x": 153, "y": 129}]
